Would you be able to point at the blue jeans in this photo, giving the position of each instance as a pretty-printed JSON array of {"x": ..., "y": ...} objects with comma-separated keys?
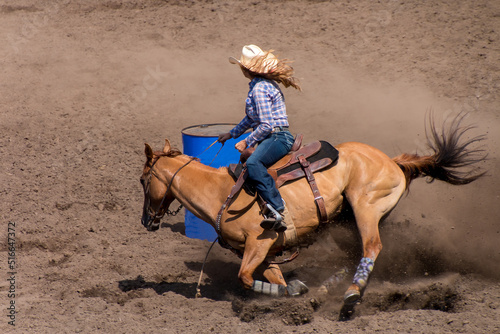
[{"x": 268, "y": 152}]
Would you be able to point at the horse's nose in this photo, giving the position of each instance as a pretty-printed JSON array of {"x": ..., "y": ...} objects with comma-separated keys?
[
  {"x": 154, "y": 226},
  {"x": 149, "y": 223}
]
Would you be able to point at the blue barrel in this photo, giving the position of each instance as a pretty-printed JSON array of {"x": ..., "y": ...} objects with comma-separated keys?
[{"x": 195, "y": 140}]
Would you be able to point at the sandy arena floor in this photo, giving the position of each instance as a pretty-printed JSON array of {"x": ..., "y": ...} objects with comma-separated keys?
[{"x": 85, "y": 83}]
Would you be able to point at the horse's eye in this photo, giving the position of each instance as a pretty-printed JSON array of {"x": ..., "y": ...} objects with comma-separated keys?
[{"x": 142, "y": 181}]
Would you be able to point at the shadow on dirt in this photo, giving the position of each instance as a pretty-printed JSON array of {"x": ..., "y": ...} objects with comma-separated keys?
[
  {"x": 216, "y": 284},
  {"x": 185, "y": 289},
  {"x": 178, "y": 227}
]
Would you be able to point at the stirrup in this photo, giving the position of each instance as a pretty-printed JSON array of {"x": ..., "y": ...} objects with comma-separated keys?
[
  {"x": 273, "y": 220},
  {"x": 273, "y": 224}
]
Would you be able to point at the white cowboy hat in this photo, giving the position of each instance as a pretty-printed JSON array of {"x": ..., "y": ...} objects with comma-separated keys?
[{"x": 255, "y": 60}]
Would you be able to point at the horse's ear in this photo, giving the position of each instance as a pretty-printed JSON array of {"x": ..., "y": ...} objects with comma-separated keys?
[
  {"x": 166, "y": 148},
  {"x": 148, "y": 151}
]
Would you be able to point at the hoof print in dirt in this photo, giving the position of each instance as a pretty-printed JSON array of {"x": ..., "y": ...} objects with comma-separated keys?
[{"x": 434, "y": 297}]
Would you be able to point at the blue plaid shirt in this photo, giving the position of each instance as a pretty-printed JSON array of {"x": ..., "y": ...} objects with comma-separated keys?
[{"x": 265, "y": 109}]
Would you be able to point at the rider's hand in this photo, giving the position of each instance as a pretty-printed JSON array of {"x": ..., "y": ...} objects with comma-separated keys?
[
  {"x": 223, "y": 137},
  {"x": 241, "y": 145}
]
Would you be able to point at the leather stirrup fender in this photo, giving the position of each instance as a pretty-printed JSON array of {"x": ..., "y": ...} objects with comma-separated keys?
[
  {"x": 297, "y": 143},
  {"x": 320, "y": 202}
]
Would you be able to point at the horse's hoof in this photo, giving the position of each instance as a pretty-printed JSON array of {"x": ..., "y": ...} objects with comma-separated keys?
[
  {"x": 296, "y": 288},
  {"x": 351, "y": 297}
]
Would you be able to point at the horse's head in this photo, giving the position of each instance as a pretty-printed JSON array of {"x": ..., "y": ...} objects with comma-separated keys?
[{"x": 157, "y": 195}]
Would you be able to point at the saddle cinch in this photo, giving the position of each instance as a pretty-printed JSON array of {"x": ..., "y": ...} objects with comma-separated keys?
[{"x": 302, "y": 161}]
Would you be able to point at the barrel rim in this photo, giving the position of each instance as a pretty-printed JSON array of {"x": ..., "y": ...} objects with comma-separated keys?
[{"x": 206, "y": 124}]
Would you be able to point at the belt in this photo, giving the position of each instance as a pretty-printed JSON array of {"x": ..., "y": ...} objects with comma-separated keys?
[{"x": 280, "y": 128}]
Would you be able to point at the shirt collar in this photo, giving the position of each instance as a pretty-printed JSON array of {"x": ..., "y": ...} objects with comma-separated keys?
[{"x": 254, "y": 81}]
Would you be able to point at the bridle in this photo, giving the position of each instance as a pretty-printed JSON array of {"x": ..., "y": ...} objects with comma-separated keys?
[{"x": 160, "y": 212}]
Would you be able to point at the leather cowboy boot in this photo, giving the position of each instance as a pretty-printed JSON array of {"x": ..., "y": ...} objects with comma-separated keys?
[{"x": 273, "y": 220}]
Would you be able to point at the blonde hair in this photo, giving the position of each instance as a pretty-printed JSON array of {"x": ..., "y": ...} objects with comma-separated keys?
[{"x": 282, "y": 72}]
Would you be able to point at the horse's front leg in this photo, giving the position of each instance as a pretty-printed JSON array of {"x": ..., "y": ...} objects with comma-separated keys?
[
  {"x": 272, "y": 273},
  {"x": 277, "y": 283},
  {"x": 256, "y": 251}
]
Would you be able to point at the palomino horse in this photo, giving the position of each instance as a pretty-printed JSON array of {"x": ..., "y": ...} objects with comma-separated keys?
[{"x": 364, "y": 178}]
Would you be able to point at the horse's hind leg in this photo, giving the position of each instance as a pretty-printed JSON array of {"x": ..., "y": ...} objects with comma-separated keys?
[
  {"x": 368, "y": 211},
  {"x": 372, "y": 245}
]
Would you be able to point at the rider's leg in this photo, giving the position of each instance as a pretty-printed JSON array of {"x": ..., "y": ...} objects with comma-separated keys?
[{"x": 268, "y": 152}]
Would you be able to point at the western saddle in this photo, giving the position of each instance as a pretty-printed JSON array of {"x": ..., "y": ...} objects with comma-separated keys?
[{"x": 302, "y": 161}]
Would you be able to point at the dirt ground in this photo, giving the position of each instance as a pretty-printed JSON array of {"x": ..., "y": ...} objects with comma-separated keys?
[{"x": 85, "y": 83}]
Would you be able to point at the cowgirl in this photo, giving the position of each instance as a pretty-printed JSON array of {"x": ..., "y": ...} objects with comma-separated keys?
[{"x": 266, "y": 114}]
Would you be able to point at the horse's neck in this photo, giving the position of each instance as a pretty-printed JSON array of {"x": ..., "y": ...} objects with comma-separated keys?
[{"x": 200, "y": 188}]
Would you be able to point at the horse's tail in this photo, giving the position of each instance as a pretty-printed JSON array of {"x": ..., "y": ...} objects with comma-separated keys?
[{"x": 451, "y": 155}]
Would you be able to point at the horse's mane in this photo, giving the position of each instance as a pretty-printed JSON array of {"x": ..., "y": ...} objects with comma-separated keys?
[{"x": 172, "y": 153}]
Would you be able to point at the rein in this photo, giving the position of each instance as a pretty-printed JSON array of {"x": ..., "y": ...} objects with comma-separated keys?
[{"x": 157, "y": 214}]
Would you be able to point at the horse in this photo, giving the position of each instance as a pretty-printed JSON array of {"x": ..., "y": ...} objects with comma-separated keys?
[{"x": 364, "y": 179}]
